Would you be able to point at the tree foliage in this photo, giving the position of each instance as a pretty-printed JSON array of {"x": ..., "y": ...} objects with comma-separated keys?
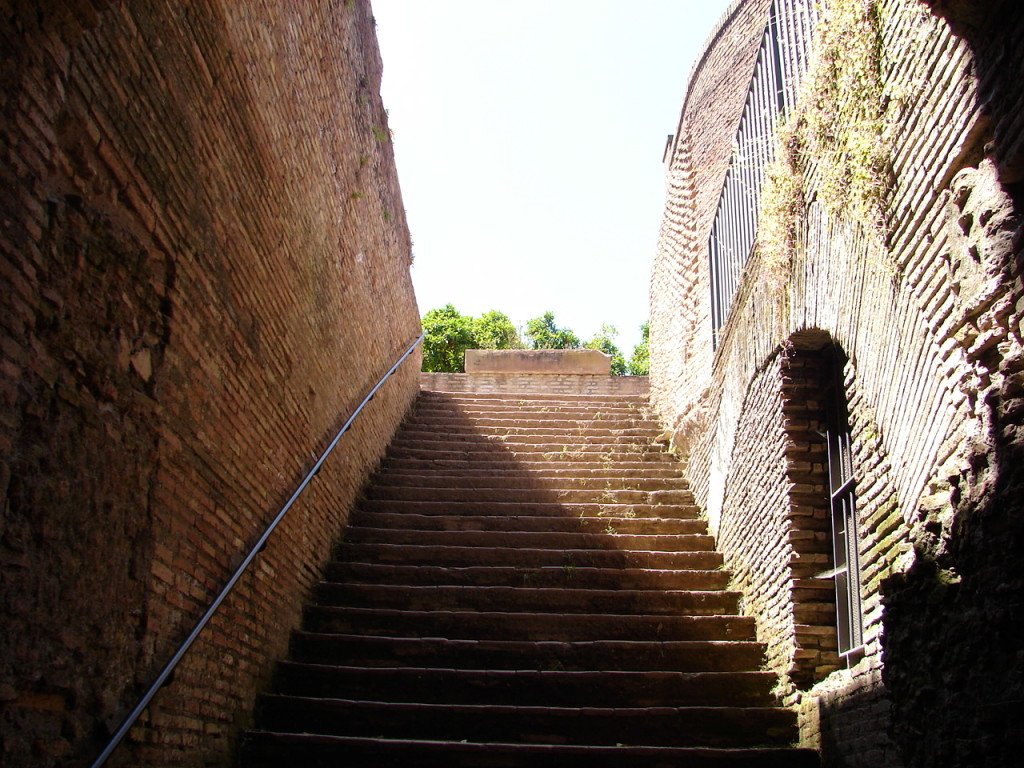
[
  {"x": 604, "y": 340},
  {"x": 544, "y": 334},
  {"x": 640, "y": 362},
  {"x": 449, "y": 333},
  {"x": 493, "y": 330}
]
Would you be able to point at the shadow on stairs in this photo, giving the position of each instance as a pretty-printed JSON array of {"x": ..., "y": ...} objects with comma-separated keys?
[{"x": 526, "y": 582}]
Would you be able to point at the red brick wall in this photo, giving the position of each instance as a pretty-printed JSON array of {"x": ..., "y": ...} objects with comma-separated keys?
[{"x": 205, "y": 265}]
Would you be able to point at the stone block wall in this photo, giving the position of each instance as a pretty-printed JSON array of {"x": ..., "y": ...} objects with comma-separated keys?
[
  {"x": 205, "y": 266},
  {"x": 928, "y": 309}
]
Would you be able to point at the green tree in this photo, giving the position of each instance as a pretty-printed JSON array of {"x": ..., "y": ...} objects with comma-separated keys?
[
  {"x": 640, "y": 362},
  {"x": 604, "y": 340},
  {"x": 493, "y": 330},
  {"x": 544, "y": 334},
  {"x": 447, "y": 336}
]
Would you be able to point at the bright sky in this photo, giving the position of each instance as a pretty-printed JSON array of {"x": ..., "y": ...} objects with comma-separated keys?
[{"x": 528, "y": 136}]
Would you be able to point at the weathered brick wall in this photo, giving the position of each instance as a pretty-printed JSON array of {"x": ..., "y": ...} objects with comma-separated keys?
[
  {"x": 679, "y": 292},
  {"x": 775, "y": 534},
  {"x": 205, "y": 267},
  {"x": 804, "y": 422},
  {"x": 929, "y": 313},
  {"x": 754, "y": 536},
  {"x": 542, "y": 384}
]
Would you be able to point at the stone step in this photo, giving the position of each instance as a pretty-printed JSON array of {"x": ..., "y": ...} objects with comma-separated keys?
[
  {"x": 527, "y": 422},
  {"x": 527, "y": 495},
  {"x": 529, "y": 599},
  {"x": 454, "y": 461},
  {"x": 552, "y": 455},
  {"x": 624, "y": 525},
  {"x": 527, "y": 436},
  {"x": 678, "y": 656},
  {"x": 263, "y": 749},
  {"x": 512, "y": 509},
  {"x": 533, "y": 436},
  {"x": 728, "y": 727},
  {"x": 538, "y": 470},
  {"x": 525, "y": 687},
  {"x": 539, "y": 539},
  {"x": 526, "y": 404},
  {"x": 524, "y": 400},
  {"x": 517, "y": 575},
  {"x": 624, "y": 447},
  {"x": 501, "y": 625},
  {"x": 525, "y": 481},
  {"x": 440, "y": 554}
]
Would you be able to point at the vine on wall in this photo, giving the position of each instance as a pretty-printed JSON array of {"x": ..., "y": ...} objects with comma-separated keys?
[
  {"x": 839, "y": 128},
  {"x": 844, "y": 110},
  {"x": 782, "y": 206}
]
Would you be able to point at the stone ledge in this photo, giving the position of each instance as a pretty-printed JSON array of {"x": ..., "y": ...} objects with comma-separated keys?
[{"x": 539, "y": 361}]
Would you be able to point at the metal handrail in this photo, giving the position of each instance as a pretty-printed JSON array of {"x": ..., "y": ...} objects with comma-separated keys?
[{"x": 258, "y": 547}]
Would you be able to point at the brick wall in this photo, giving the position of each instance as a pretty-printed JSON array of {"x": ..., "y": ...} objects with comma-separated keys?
[
  {"x": 695, "y": 170},
  {"x": 542, "y": 384},
  {"x": 929, "y": 312},
  {"x": 755, "y": 535},
  {"x": 205, "y": 267}
]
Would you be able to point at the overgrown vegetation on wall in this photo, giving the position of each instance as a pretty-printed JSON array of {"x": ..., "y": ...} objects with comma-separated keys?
[
  {"x": 840, "y": 122},
  {"x": 782, "y": 207},
  {"x": 844, "y": 110}
]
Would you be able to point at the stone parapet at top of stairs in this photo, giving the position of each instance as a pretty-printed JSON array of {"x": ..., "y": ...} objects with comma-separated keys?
[
  {"x": 538, "y": 361},
  {"x": 542, "y": 372}
]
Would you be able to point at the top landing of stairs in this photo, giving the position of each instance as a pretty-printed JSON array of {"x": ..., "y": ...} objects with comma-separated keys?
[{"x": 541, "y": 372}]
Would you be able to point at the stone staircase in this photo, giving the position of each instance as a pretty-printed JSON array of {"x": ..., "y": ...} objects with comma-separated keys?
[{"x": 527, "y": 582}]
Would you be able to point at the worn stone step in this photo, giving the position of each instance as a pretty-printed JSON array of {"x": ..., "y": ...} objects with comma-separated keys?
[
  {"x": 663, "y": 526},
  {"x": 439, "y": 554},
  {"x": 528, "y": 424},
  {"x": 678, "y": 656},
  {"x": 263, "y": 749},
  {"x": 516, "y": 405},
  {"x": 529, "y": 399},
  {"x": 528, "y": 495},
  {"x": 512, "y": 480},
  {"x": 546, "y": 445},
  {"x": 524, "y": 687},
  {"x": 538, "y": 470},
  {"x": 544, "y": 442},
  {"x": 668, "y": 726},
  {"x": 555, "y": 509},
  {"x": 540, "y": 539},
  {"x": 482, "y": 424},
  {"x": 594, "y": 463},
  {"x": 603, "y": 449},
  {"x": 565, "y": 599},
  {"x": 499, "y": 625},
  {"x": 511, "y": 408},
  {"x": 517, "y": 575}
]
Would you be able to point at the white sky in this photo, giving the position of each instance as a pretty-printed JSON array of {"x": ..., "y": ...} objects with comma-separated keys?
[{"x": 528, "y": 136}]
